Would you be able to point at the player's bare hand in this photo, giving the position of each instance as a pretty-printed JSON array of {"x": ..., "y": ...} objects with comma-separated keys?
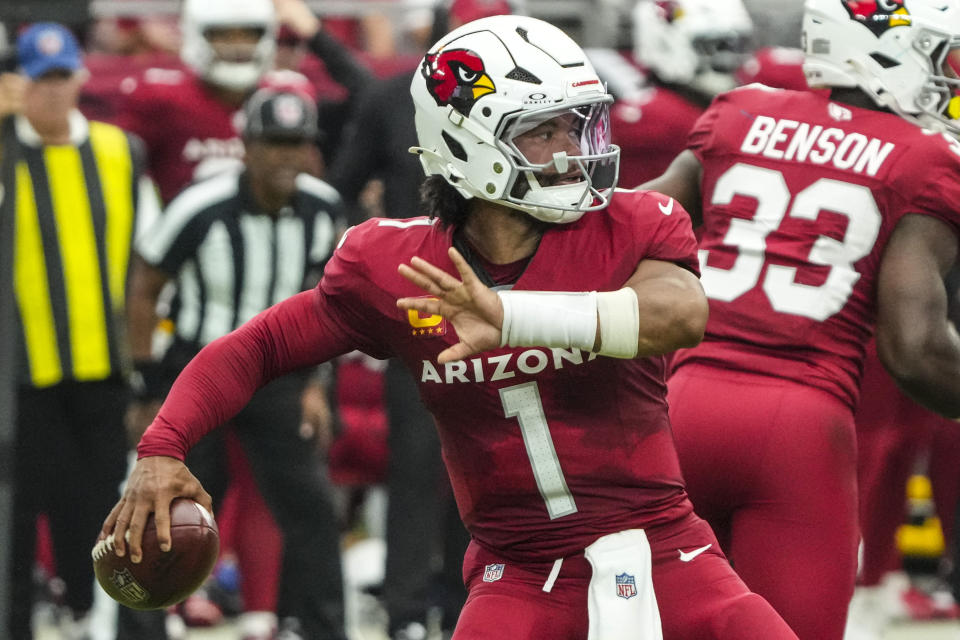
[
  {"x": 317, "y": 422},
  {"x": 13, "y": 89},
  {"x": 473, "y": 308},
  {"x": 153, "y": 484},
  {"x": 296, "y": 15}
]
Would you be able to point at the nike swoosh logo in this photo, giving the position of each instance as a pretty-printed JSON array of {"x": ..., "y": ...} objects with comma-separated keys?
[
  {"x": 690, "y": 555},
  {"x": 666, "y": 210}
]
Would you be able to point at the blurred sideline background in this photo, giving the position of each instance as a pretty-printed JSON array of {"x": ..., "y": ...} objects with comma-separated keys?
[{"x": 594, "y": 23}]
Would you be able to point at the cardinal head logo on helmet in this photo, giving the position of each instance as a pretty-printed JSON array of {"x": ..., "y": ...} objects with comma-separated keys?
[
  {"x": 878, "y": 15},
  {"x": 456, "y": 77}
]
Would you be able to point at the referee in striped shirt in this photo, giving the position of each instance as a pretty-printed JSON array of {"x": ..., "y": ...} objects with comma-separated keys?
[{"x": 235, "y": 244}]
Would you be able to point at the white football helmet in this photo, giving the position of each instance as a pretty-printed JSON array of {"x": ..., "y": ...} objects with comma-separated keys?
[
  {"x": 696, "y": 43},
  {"x": 199, "y": 16},
  {"x": 493, "y": 79},
  {"x": 905, "y": 54}
]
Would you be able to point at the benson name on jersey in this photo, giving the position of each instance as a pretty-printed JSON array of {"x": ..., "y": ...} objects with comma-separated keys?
[{"x": 782, "y": 139}]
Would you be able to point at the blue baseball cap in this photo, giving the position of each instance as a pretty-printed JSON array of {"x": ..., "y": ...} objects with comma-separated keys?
[{"x": 47, "y": 46}]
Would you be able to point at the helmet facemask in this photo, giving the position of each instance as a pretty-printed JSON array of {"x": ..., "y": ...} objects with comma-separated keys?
[
  {"x": 904, "y": 55},
  {"x": 236, "y": 65},
  {"x": 562, "y": 187},
  {"x": 939, "y": 99},
  {"x": 720, "y": 56},
  {"x": 214, "y": 48},
  {"x": 694, "y": 43}
]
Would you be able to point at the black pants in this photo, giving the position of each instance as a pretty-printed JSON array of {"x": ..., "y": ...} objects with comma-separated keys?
[
  {"x": 70, "y": 456},
  {"x": 289, "y": 474},
  {"x": 419, "y": 499}
]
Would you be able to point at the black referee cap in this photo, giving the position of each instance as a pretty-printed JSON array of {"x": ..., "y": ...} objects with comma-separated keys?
[{"x": 279, "y": 115}]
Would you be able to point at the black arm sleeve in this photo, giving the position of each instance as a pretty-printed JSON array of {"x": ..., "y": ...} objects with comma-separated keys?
[
  {"x": 342, "y": 65},
  {"x": 355, "y": 164}
]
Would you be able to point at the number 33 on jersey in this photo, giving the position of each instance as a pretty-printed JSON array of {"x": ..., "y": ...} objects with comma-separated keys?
[{"x": 797, "y": 219}]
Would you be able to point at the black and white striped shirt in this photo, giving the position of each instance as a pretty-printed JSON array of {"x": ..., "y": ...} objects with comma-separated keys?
[{"x": 232, "y": 261}]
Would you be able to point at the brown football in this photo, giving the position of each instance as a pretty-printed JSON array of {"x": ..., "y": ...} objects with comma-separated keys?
[{"x": 162, "y": 579}]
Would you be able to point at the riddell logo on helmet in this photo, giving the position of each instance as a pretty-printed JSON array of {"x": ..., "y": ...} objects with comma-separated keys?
[
  {"x": 878, "y": 15},
  {"x": 456, "y": 77}
]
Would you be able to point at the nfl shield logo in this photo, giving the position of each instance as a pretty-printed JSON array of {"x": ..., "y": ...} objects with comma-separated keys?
[
  {"x": 626, "y": 586},
  {"x": 127, "y": 584},
  {"x": 492, "y": 572}
]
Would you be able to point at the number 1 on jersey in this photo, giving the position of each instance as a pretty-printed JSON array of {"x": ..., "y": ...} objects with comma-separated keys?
[{"x": 522, "y": 402}]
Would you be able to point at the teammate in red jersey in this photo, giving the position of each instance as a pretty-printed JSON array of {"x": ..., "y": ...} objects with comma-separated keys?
[
  {"x": 189, "y": 118},
  {"x": 824, "y": 217},
  {"x": 549, "y": 397},
  {"x": 780, "y": 67},
  {"x": 897, "y": 438},
  {"x": 650, "y": 121},
  {"x": 684, "y": 53}
]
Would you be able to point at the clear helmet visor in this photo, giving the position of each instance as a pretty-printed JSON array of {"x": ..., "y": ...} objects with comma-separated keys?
[
  {"x": 234, "y": 44},
  {"x": 561, "y": 159},
  {"x": 231, "y": 56},
  {"x": 565, "y": 145}
]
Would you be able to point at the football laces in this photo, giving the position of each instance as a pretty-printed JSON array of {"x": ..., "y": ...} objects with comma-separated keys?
[{"x": 103, "y": 547}]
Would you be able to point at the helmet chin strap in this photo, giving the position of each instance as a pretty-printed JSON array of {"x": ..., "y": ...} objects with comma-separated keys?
[{"x": 559, "y": 203}]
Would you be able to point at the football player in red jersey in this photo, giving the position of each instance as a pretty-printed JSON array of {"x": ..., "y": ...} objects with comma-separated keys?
[
  {"x": 687, "y": 51},
  {"x": 780, "y": 67},
  {"x": 824, "y": 218},
  {"x": 895, "y": 438},
  {"x": 549, "y": 397},
  {"x": 188, "y": 118}
]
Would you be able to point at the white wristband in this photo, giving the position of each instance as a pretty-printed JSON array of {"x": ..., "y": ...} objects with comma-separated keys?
[
  {"x": 549, "y": 319},
  {"x": 619, "y": 317}
]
